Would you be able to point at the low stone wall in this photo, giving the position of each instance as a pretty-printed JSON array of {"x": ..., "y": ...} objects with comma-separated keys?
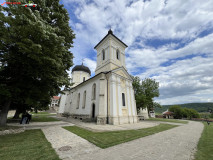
[{"x": 12, "y": 131}]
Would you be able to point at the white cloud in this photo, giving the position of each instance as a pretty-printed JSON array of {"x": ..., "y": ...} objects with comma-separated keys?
[
  {"x": 91, "y": 64},
  {"x": 135, "y": 22}
]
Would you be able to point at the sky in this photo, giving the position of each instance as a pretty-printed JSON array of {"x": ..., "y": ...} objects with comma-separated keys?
[{"x": 170, "y": 41}]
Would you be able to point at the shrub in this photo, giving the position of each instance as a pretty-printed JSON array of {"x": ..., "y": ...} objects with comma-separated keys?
[
  {"x": 177, "y": 110},
  {"x": 184, "y": 112}
]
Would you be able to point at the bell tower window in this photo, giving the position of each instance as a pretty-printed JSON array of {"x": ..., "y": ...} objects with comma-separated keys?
[
  {"x": 103, "y": 54},
  {"x": 123, "y": 99},
  {"x": 118, "y": 54}
]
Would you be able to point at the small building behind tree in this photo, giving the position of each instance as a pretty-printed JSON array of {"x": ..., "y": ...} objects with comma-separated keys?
[
  {"x": 55, "y": 103},
  {"x": 167, "y": 114}
]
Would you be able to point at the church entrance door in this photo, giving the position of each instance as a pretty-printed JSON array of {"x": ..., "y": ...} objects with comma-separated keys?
[{"x": 93, "y": 110}]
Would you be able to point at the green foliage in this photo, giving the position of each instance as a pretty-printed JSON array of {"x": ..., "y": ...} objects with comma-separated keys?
[
  {"x": 177, "y": 110},
  {"x": 200, "y": 107},
  {"x": 180, "y": 112},
  {"x": 205, "y": 115},
  {"x": 30, "y": 144},
  {"x": 108, "y": 139},
  {"x": 145, "y": 91},
  {"x": 34, "y": 53}
]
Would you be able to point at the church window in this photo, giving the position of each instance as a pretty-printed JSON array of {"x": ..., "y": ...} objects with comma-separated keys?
[
  {"x": 78, "y": 101},
  {"x": 123, "y": 99},
  {"x": 94, "y": 91},
  {"x": 103, "y": 54},
  {"x": 83, "y": 79},
  {"x": 84, "y": 99},
  {"x": 118, "y": 54}
]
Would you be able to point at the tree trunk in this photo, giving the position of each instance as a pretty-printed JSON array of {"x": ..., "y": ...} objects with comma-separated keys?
[
  {"x": 4, "y": 112},
  {"x": 16, "y": 115}
]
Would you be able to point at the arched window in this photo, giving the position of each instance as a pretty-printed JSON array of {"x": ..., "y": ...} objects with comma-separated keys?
[
  {"x": 103, "y": 54},
  {"x": 94, "y": 91},
  {"x": 123, "y": 99},
  {"x": 84, "y": 99},
  {"x": 78, "y": 101},
  {"x": 118, "y": 54}
]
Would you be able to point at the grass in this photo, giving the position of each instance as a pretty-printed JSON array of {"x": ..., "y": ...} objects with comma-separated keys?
[
  {"x": 167, "y": 120},
  {"x": 108, "y": 139},
  {"x": 35, "y": 118},
  {"x": 30, "y": 144},
  {"x": 39, "y": 113},
  {"x": 43, "y": 118},
  {"x": 205, "y": 145}
]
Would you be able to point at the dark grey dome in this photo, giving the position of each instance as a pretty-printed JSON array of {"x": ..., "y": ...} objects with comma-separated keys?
[{"x": 81, "y": 68}]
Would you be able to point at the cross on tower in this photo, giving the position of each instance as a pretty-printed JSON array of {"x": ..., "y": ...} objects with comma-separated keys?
[{"x": 82, "y": 61}]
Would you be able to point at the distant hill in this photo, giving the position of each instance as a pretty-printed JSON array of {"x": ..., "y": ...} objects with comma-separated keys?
[{"x": 200, "y": 107}]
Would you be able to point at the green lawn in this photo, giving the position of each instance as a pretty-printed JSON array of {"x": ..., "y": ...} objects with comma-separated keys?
[
  {"x": 43, "y": 118},
  {"x": 35, "y": 118},
  {"x": 167, "y": 120},
  {"x": 29, "y": 145},
  {"x": 205, "y": 145},
  {"x": 108, "y": 139}
]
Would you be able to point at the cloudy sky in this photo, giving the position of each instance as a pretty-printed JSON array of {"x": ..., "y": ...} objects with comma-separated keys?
[{"x": 169, "y": 40}]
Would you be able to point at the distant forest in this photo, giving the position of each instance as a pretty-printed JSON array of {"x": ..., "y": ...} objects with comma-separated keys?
[{"x": 200, "y": 107}]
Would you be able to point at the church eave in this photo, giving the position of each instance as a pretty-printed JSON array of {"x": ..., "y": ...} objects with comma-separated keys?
[
  {"x": 110, "y": 33},
  {"x": 89, "y": 79}
]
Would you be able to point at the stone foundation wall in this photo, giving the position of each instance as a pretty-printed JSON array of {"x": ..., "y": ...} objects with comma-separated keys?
[
  {"x": 123, "y": 120},
  {"x": 101, "y": 120},
  {"x": 80, "y": 116}
]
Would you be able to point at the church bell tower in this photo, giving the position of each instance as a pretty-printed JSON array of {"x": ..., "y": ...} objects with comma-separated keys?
[{"x": 110, "y": 53}]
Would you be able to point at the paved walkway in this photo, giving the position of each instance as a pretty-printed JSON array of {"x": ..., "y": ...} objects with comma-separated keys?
[
  {"x": 68, "y": 145},
  {"x": 175, "y": 144}
]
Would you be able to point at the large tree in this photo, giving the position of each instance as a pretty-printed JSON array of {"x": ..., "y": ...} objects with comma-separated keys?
[
  {"x": 145, "y": 91},
  {"x": 34, "y": 54}
]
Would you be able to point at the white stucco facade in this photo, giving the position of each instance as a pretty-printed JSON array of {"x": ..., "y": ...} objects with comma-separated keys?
[{"x": 108, "y": 97}]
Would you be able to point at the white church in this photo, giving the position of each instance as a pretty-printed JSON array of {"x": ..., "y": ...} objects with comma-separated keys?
[{"x": 108, "y": 97}]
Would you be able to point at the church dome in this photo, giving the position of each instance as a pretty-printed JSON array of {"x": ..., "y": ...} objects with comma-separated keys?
[{"x": 81, "y": 68}]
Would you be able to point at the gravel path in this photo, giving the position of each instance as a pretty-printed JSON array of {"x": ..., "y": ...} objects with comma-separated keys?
[{"x": 175, "y": 144}]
